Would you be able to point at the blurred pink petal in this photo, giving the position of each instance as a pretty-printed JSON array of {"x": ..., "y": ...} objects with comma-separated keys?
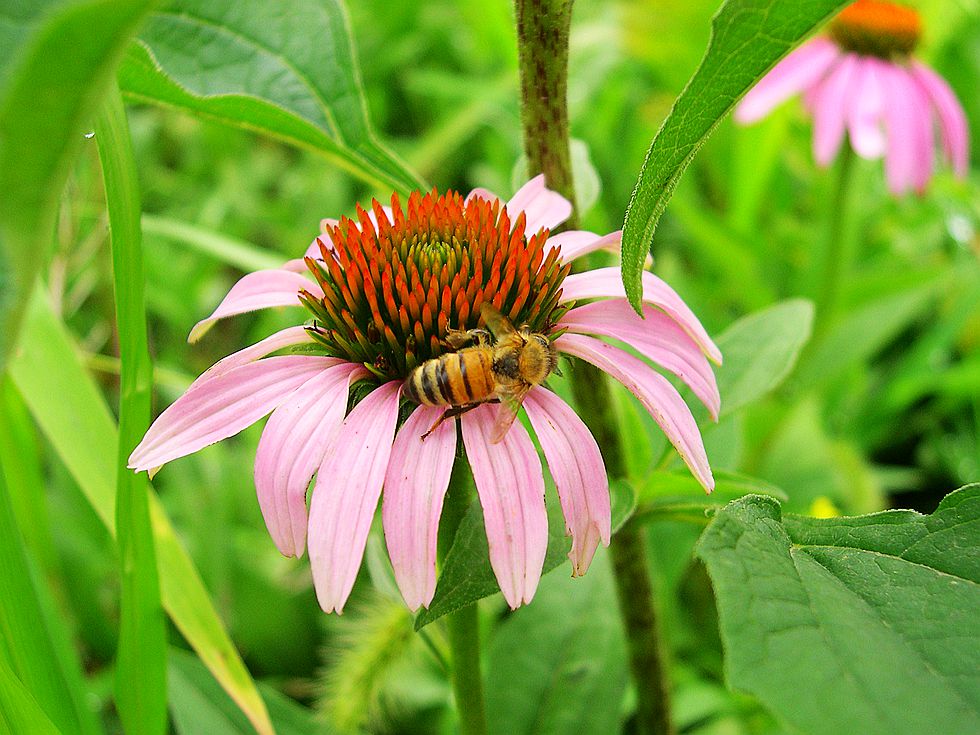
[
  {"x": 952, "y": 119},
  {"x": 657, "y": 337},
  {"x": 795, "y": 73},
  {"x": 259, "y": 290},
  {"x": 908, "y": 162},
  {"x": 510, "y": 484},
  {"x": 577, "y": 469},
  {"x": 414, "y": 488},
  {"x": 223, "y": 406},
  {"x": 576, "y": 243},
  {"x": 607, "y": 283},
  {"x": 348, "y": 485},
  {"x": 656, "y": 394},
  {"x": 482, "y": 194},
  {"x": 542, "y": 206},
  {"x": 292, "y": 447},
  {"x": 830, "y": 108},
  {"x": 865, "y": 110}
]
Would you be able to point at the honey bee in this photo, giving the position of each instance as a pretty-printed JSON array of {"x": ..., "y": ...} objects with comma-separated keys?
[{"x": 501, "y": 365}]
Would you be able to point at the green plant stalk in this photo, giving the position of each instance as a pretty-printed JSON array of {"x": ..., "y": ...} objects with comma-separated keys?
[
  {"x": 463, "y": 626},
  {"x": 140, "y": 686},
  {"x": 836, "y": 253},
  {"x": 542, "y": 41}
]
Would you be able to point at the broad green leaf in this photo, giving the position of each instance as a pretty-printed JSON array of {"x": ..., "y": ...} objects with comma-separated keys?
[
  {"x": 78, "y": 424},
  {"x": 292, "y": 75},
  {"x": 53, "y": 70},
  {"x": 35, "y": 645},
  {"x": 760, "y": 350},
  {"x": 19, "y": 711},
  {"x": 200, "y": 707},
  {"x": 560, "y": 665},
  {"x": 679, "y": 494},
  {"x": 864, "y": 624},
  {"x": 748, "y": 37},
  {"x": 141, "y": 687}
]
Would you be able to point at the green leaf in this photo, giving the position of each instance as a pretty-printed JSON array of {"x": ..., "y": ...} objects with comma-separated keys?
[
  {"x": 53, "y": 70},
  {"x": 679, "y": 494},
  {"x": 760, "y": 350},
  {"x": 78, "y": 424},
  {"x": 19, "y": 711},
  {"x": 559, "y": 665},
  {"x": 35, "y": 645},
  {"x": 748, "y": 37},
  {"x": 466, "y": 575},
  {"x": 292, "y": 75},
  {"x": 141, "y": 658},
  {"x": 863, "y": 624}
]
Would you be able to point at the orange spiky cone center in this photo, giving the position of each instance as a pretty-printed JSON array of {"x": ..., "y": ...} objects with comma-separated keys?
[
  {"x": 877, "y": 28},
  {"x": 393, "y": 290}
]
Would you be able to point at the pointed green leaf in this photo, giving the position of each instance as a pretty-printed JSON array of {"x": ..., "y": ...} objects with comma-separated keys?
[
  {"x": 19, "y": 711},
  {"x": 292, "y": 75},
  {"x": 864, "y": 624},
  {"x": 748, "y": 37},
  {"x": 53, "y": 71}
]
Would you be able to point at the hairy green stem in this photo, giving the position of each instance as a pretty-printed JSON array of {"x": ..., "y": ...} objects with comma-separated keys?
[
  {"x": 836, "y": 255},
  {"x": 463, "y": 626},
  {"x": 542, "y": 32}
]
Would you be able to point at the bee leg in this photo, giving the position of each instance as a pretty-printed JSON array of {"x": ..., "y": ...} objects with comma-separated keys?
[
  {"x": 458, "y": 338},
  {"x": 450, "y": 413}
]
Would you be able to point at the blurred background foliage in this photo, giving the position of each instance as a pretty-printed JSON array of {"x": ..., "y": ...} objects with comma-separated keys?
[{"x": 883, "y": 409}]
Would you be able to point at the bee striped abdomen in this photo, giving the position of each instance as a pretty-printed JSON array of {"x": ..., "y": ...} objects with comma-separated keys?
[{"x": 454, "y": 379}]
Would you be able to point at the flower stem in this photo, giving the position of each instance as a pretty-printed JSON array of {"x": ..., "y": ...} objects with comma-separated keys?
[
  {"x": 542, "y": 35},
  {"x": 836, "y": 253},
  {"x": 463, "y": 626}
]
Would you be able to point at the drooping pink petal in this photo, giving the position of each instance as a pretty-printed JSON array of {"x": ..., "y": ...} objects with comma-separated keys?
[
  {"x": 952, "y": 119},
  {"x": 607, "y": 283},
  {"x": 415, "y": 486},
  {"x": 576, "y": 243},
  {"x": 348, "y": 485},
  {"x": 542, "y": 206},
  {"x": 830, "y": 109},
  {"x": 284, "y": 338},
  {"x": 865, "y": 110},
  {"x": 656, "y": 394},
  {"x": 656, "y": 336},
  {"x": 292, "y": 447},
  {"x": 481, "y": 193},
  {"x": 258, "y": 290},
  {"x": 908, "y": 120},
  {"x": 510, "y": 484},
  {"x": 223, "y": 406},
  {"x": 577, "y": 469},
  {"x": 797, "y": 72}
]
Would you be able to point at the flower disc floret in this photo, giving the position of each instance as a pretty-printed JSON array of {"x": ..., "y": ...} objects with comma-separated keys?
[
  {"x": 395, "y": 281},
  {"x": 877, "y": 28}
]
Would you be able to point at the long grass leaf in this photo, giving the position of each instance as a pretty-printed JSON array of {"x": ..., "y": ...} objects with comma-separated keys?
[{"x": 19, "y": 711}]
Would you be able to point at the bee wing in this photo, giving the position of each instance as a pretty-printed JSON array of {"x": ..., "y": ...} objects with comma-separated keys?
[
  {"x": 495, "y": 321},
  {"x": 510, "y": 404}
]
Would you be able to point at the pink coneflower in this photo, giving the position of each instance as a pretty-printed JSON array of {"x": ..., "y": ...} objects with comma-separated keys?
[
  {"x": 385, "y": 289},
  {"x": 862, "y": 78}
]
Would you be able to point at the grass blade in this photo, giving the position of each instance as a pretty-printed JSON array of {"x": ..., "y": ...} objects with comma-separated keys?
[
  {"x": 141, "y": 658},
  {"x": 19, "y": 711}
]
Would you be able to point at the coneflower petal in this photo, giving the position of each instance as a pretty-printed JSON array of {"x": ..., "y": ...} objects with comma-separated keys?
[
  {"x": 510, "y": 484},
  {"x": 865, "y": 110},
  {"x": 578, "y": 471},
  {"x": 798, "y": 71},
  {"x": 292, "y": 447},
  {"x": 542, "y": 206},
  {"x": 607, "y": 283},
  {"x": 258, "y": 290},
  {"x": 952, "y": 119},
  {"x": 348, "y": 486},
  {"x": 908, "y": 162},
  {"x": 223, "y": 406},
  {"x": 415, "y": 486},
  {"x": 576, "y": 243},
  {"x": 656, "y": 336},
  {"x": 830, "y": 108},
  {"x": 481, "y": 193},
  {"x": 656, "y": 394},
  {"x": 283, "y": 338}
]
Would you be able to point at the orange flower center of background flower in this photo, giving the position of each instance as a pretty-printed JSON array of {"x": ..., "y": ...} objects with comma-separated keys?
[
  {"x": 392, "y": 292},
  {"x": 877, "y": 28}
]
